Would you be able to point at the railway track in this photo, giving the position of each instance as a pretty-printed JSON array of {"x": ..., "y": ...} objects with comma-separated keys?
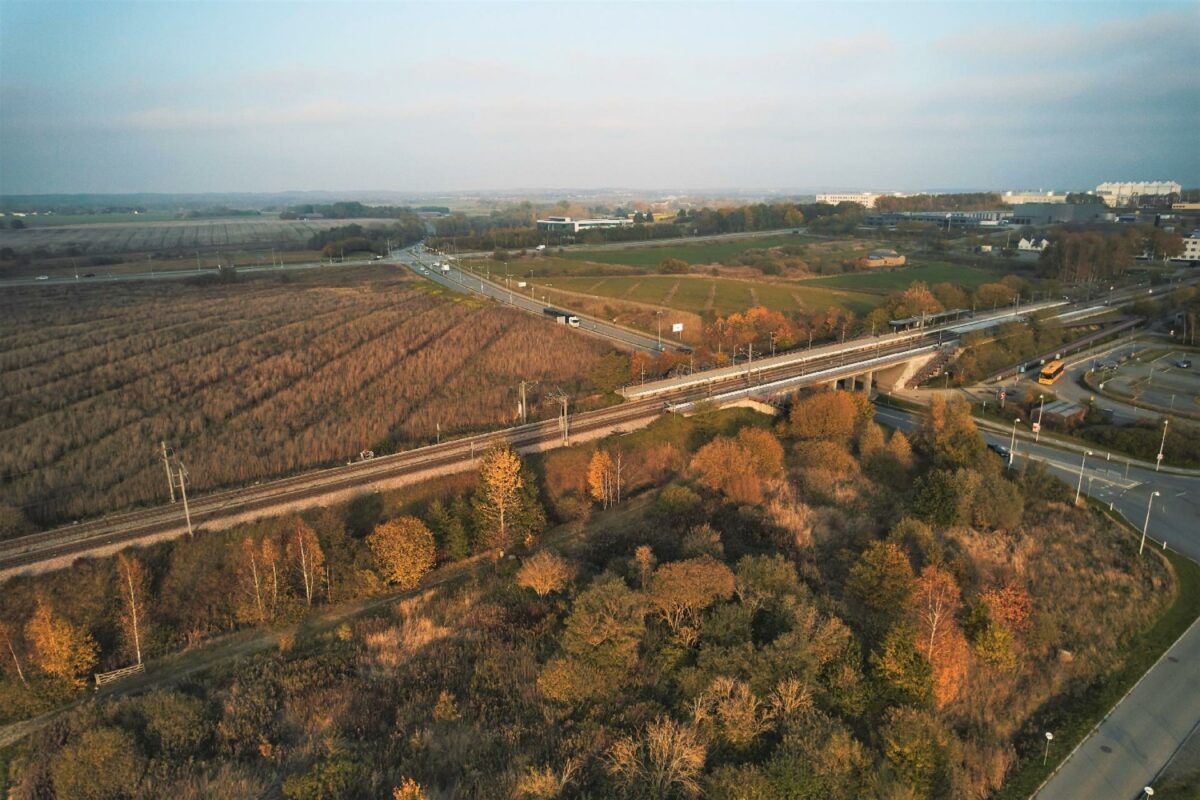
[
  {"x": 222, "y": 508},
  {"x": 219, "y": 509}
]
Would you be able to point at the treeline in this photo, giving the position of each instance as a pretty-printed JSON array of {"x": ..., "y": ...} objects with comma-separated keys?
[
  {"x": 965, "y": 201},
  {"x": 355, "y": 238},
  {"x": 503, "y": 231},
  {"x": 221, "y": 211},
  {"x": 247, "y": 381},
  {"x": 348, "y": 210},
  {"x": 815, "y": 610},
  {"x": 1080, "y": 256}
]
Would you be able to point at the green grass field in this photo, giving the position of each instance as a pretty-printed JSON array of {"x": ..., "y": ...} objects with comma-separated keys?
[
  {"x": 966, "y": 277},
  {"x": 695, "y": 253},
  {"x": 722, "y": 296}
]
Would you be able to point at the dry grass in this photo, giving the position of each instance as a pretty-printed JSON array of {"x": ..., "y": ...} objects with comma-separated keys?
[{"x": 247, "y": 381}]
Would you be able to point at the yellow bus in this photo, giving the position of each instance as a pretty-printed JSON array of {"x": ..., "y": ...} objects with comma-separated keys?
[{"x": 1051, "y": 372}]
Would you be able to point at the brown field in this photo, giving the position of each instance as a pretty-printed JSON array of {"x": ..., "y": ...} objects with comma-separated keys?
[
  {"x": 247, "y": 381},
  {"x": 187, "y": 236}
]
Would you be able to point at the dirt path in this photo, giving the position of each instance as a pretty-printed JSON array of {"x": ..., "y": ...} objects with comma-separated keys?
[
  {"x": 670, "y": 295},
  {"x": 633, "y": 288},
  {"x": 178, "y": 666},
  {"x": 710, "y": 302},
  {"x": 754, "y": 297}
]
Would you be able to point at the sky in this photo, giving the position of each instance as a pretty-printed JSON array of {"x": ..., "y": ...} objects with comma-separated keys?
[{"x": 179, "y": 96}]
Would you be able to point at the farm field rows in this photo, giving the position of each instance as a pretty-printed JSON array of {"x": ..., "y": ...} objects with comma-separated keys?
[
  {"x": 722, "y": 296},
  {"x": 247, "y": 381},
  {"x": 696, "y": 253},
  {"x": 896, "y": 280},
  {"x": 183, "y": 235}
]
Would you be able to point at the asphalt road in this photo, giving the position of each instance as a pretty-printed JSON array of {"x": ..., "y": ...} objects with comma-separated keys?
[
  {"x": 423, "y": 263},
  {"x": 1141, "y": 734}
]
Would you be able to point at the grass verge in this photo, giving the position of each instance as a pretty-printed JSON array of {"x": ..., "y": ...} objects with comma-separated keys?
[{"x": 1092, "y": 705}]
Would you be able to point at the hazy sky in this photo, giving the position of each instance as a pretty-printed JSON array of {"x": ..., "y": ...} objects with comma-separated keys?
[{"x": 270, "y": 96}]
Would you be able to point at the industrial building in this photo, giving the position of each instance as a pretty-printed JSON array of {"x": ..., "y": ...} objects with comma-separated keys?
[
  {"x": 1013, "y": 198},
  {"x": 1119, "y": 194},
  {"x": 945, "y": 219},
  {"x": 865, "y": 199},
  {"x": 1060, "y": 213},
  {"x": 569, "y": 225}
]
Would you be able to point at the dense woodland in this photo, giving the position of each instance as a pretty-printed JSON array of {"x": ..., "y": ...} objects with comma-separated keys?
[
  {"x": 730, "y": 608},
  {"x": 248, "y": 380}
]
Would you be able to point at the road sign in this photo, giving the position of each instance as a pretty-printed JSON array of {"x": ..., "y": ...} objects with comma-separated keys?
[
  {"x": 676, "y": 327},
  {"x": 1001, "y": 394},
  {"x": 1158, "y": 457},
  {"x": 1037, "y": 426}
]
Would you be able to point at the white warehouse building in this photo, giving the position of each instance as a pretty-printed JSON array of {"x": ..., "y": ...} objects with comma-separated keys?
[{"x": 1116, "y": 194}]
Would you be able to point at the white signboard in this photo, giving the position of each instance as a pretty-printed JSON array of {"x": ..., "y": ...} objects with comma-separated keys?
[
  {"x": 520, "y": 284},
  {"x": 1037, "y": 426},
  {"x": 676, "y": 327}
]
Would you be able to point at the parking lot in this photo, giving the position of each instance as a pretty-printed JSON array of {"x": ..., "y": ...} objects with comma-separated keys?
[{"x": 1155, "y": 377}]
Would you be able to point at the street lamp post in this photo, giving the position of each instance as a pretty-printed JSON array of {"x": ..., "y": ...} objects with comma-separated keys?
[
  {"x": 1079, "y": 487},
  {"x": 1158, "y": 461},
  {"x": 1046, "y": 755},
  {"x": 1146, "y": 524},
  {"x": 1037, "y": 431},
  {"x": 1012, "y": 443}
]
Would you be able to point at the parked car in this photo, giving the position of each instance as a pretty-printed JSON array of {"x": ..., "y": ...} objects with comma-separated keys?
[
  {"x": 1183, "y": 363},
  {"x": 999, "y": 450}
]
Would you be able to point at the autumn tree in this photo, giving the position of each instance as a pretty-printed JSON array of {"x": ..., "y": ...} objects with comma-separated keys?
[
  {"x": 948, "y": 435},
  {"x": 254, "y": 580},
  {"x": 934, "y": 604},
  {"x": 272, "y": 561},
  {"x": 738, "y": 467},
  {"x": 506, "y": 509},
  {"x": 305, "y": 556},
  {"x": 133, "y": 589},
  {"x": 58, "y": 647},
  {"x": 403, "y": 549},
  {"x": 545, "y": 573},
  {"x": 665, "y": 761},
  {"x": 409, "y": 789},
  {"x": 829, "y": 415},
  {"x": 604, "y": 477},
  {"x": 680, "y": 590}
]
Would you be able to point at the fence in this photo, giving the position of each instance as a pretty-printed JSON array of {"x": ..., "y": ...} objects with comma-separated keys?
[{"x": 108, "y": 677}]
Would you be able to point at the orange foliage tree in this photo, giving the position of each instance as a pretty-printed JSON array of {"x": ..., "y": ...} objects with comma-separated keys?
[
  {"x": 738, "y": 467},
  {"x": 935, "y": 602}
]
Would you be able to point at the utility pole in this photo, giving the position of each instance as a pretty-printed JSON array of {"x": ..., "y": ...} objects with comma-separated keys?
[
  {"x": 187, "y": 514},
  {"x": 523, "y": 405},
  {"x": 559, "y": 396},
  {"x": 167, "y": 463}
]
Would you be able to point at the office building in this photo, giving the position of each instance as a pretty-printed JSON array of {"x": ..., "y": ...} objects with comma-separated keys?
[{"x": 569, "y": 225}]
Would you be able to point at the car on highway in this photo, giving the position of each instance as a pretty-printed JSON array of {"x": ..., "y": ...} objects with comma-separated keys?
[
  {"x": 43, "y": 277},
  {"x": 999, "y": 450},
  {"x": 89, "y": 275}
]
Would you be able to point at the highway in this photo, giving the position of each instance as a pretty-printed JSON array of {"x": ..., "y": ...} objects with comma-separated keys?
[{"x": 425, "y": 265}]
